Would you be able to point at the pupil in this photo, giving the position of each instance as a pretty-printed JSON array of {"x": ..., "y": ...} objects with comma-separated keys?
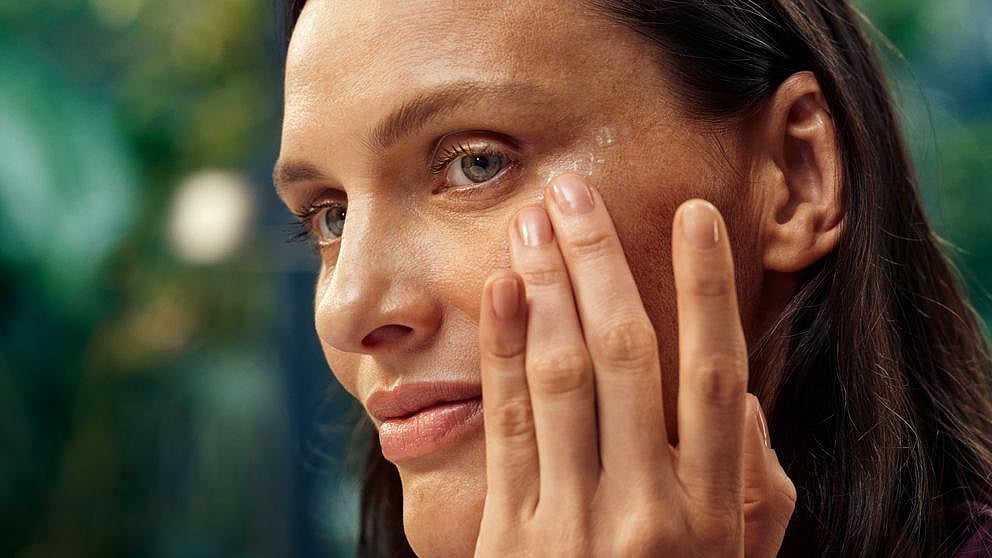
[{"x": 480, "y": 168}]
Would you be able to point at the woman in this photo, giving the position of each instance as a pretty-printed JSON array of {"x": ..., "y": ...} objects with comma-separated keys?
[{"x": 546, "y": 155}]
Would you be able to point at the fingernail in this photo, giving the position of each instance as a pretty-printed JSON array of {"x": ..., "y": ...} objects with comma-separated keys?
[
  {"x": 699, "y": 224},
  {"x": 533, "y": 226},
  {"x": 762, "y": 424},
  {"x": 571, "y": 194},
  {"x": 505, "y": 297}
]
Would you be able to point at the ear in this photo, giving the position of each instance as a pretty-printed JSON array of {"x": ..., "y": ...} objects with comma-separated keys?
[{"x": 798, "y": 176}]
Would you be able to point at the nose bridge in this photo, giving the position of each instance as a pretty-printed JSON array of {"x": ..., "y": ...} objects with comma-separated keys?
[{"x": 376, "y": 295}]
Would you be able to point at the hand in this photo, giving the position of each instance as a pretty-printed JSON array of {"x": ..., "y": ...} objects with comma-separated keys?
[{"x": 577, "y": 455}]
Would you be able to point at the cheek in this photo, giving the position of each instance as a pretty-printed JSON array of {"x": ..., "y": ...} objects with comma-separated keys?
[
  {"x": 465, "y": 251},
  {"x": 642, "y": 214},
  {"x": 642, "y": 205},
  {"x": 642, "y": 196}
]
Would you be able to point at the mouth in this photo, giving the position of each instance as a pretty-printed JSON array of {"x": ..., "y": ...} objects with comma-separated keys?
[
  {"x": 428, "y": 430},
  {"x": 422, "y": 418}
]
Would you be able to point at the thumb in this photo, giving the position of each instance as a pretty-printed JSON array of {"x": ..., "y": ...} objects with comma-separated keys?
[{"x": 769, "y": 495}]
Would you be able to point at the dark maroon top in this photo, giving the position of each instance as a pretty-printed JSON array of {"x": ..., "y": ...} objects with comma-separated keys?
[{"x": 979, "y": 544}]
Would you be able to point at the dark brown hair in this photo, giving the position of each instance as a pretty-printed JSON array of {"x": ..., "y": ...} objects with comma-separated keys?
[{"x": 882, "y": 414}]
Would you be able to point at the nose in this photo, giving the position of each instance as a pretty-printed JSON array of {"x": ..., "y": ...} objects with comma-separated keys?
[{"x": 373, "y": 300}]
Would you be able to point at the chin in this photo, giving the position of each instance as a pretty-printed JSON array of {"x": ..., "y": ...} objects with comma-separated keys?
[{"x": 443, "y": 497}]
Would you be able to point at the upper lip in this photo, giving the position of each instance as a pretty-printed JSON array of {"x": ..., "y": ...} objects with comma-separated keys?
[{"x": 408, "y": 399}]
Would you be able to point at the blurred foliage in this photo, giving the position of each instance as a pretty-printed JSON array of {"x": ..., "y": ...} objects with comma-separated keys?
[
  {"x": 150, "y": 406},
  {"x": 939, "y": 57},
  {"x": 143, "y": 411}
]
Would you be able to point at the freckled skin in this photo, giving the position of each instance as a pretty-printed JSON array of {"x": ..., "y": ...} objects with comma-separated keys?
[{"x": 408, "y": 273}]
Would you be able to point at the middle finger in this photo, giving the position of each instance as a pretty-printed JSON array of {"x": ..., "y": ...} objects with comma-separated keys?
[{"x": 559, "y": 370}]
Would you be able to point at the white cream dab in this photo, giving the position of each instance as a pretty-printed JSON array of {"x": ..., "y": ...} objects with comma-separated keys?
[{"x": 586, "y": 159}]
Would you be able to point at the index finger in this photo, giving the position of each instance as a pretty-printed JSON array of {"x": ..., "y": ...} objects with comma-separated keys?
[
  {"x": 618, "y": 332},
  {"x": 712, "y": 357}
]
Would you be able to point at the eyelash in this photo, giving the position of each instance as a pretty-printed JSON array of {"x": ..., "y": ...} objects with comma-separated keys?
[
  {"x": 450, "y": 154},
  {"x": 303, "y": 228}
]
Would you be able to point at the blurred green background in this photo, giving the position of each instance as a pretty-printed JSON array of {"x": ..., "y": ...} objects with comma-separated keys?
[{"x": 161, "y": 390}]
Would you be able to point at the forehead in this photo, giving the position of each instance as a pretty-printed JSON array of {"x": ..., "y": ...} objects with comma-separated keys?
[
  {"x": 408, "y": 34},
  {"x": 355, "y": 51}
]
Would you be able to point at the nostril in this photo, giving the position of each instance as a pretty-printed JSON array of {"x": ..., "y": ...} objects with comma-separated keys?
[{"x": 385, "y": 334}]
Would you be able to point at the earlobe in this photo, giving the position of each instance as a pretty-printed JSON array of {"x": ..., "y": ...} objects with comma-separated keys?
[{"x": 802, "y": 213}]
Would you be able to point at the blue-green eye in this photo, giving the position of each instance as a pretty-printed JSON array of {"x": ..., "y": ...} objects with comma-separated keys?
[
  {"x": 330, "y": 223},
  {"x": 475, "y": 168}
]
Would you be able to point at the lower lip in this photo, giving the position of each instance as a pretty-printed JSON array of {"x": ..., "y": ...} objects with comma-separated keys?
[{"x": 425, "y": 432}]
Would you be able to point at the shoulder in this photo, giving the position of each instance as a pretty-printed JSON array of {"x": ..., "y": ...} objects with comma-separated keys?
[{"x": 978, "y": 518}]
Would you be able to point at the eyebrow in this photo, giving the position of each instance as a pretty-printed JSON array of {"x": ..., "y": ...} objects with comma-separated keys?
[
  {"x": 408, "y": 118},
  {"x": 289, "y": 172}
]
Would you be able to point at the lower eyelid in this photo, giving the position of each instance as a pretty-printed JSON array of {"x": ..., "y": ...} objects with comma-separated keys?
[{"x": 323, "y": 245}]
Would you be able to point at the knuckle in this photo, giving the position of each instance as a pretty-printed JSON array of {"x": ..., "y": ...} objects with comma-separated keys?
[
  {"x": 756, "y": 512},
  {"x": 787, "y": 492},
  {"x": 641, "y": 535},
  {"x": 721, "y": 377},
  {"x": 628, "y": 341},
  {"x": 772, "y": 511},
  {"x": 568, "y": 539},
  {"x": 506, "y": 347},
  {"x": 715, "y": 527},
  {"x": 544, "y": 276},
  {"x": 560, "y": 373},
  {"x": 591, "y": 242},
  {"x": 512, "y": 420},
  {"x": 711, "y": 282}
]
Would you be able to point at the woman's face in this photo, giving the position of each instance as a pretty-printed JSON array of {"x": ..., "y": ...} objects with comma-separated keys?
[{"x": 495, "y": 98}]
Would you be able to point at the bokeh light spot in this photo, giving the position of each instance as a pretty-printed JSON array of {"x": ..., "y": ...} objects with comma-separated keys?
[{"x": 210, "y": 216}]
